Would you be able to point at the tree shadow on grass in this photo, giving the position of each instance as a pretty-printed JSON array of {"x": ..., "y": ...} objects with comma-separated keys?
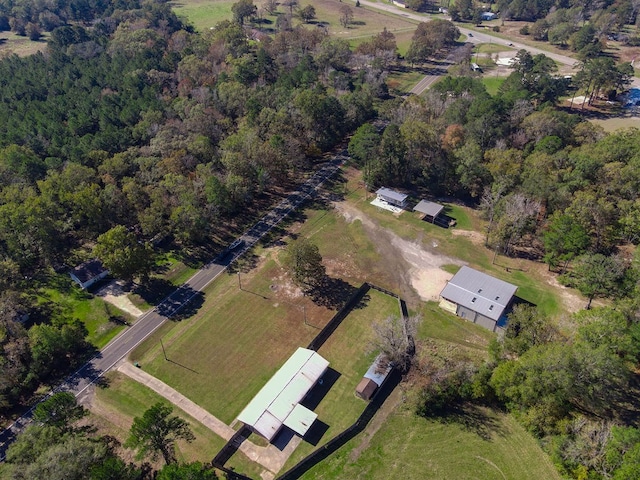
[
  {"x": 332, "y": 293},
  {"x": 472, "y": 418}
]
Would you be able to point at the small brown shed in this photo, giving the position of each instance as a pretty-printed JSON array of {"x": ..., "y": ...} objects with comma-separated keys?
[{"x": 366, "y": 388}]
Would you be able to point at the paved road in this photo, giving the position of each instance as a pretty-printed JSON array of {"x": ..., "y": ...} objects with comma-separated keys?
[
  {"x": 124, "y": 343},
  {"x": 475, "y": 38}
]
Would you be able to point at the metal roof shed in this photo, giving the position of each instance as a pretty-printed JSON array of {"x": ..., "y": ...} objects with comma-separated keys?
[
  {"x": 277, "y": 403},
  {"x": 430, "y": 209}
]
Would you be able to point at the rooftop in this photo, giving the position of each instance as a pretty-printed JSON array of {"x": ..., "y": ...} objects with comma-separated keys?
[
  {"x": 88, "y": 270},
  {"x": 428, "y": 208},
  {"x": 388, "y": 193},
  {"x": 277, "y": 403},
  {"x": 479, "y": 292}
]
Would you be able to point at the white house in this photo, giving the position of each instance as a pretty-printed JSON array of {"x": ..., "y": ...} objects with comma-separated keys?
[
  {"x": 392, "y": 197},
  {"x": 88, "y": 273}
]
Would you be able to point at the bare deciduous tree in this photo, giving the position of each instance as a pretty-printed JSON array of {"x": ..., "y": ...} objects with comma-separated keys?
[
  {"x": 271, "y": 6},
  {"x": 394, "y": 336},
  {"x": 346, "y": 16}
]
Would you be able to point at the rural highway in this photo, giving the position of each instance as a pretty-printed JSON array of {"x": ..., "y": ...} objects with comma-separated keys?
[
  {"x": 476, "y": 37},
  {"x": 123, "y": 344}
]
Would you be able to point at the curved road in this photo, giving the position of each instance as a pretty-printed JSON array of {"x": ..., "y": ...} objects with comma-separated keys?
[
  {"x": 476, "y": 37},
  {"x": 149, "y": 322}
]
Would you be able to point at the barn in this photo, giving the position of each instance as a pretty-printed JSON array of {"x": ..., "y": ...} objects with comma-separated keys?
[
  {"x": 479, "y": 298},
  {"x": 277, "y": 404}
]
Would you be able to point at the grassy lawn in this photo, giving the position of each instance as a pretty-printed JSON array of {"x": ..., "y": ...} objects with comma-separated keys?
[
  {"x": 125, "y": 399},
  {"x": 438, "y": 324},
  {"x": 103, "y": 320},
  {"x": 203, "y": 14},
  {"x": 349, "y": 354},
  {"x": 492, "y": 446},
  {"x": 403, "y": 82},
  {"x": 223, "y": 355},
  {"x": 367, "y": 22},
  {"x": 21, "y": 46},
  {"x": 492, "y": 84},
  {"x": 490, "y": 48}
]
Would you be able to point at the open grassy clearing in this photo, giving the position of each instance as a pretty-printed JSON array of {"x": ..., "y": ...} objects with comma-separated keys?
[
  {"x": 10, "y": 43},
  {"x": 67, "y": 301},
  {"x": 203, "y": 14},
  {"x": 223, "y": 355},
  {"x": 492, "y": 446},
  {"x": 403, "y": 82},
  {"x": 617, "y": 123},
  {"x": 492, "y": 84},
  {"x": 489, "y": 48},
  {"x": 463, "y": 242},
  {"x": 349, "y": 353},
  {"x": 367, "y": 22},
  {"x": 239, "y": 338},
  {"x": 116, "y": 406}
]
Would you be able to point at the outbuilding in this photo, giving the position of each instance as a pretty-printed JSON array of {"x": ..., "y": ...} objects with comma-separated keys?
[
  {"x": 278, "y": 402},
  {"x": 431, "y": 210},
  {"x": 88, "y": 273},
  {"x": 391, "y": 196},
  {"x": 375, "y": 377},
  {"x": 479, "y": 298}
]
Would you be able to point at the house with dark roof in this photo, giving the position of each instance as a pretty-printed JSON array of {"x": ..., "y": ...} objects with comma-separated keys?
[
  {"x": 431, "y": 210},
  {"x": 392, "y": 197},
  {"x": 88, "y": 273},
  {"x": 479, "y": 298}
]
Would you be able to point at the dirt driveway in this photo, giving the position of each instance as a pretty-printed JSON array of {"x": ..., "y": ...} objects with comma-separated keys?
[
  {"x": 415, "y": 269},
  {"x": 115, "y": 294}
]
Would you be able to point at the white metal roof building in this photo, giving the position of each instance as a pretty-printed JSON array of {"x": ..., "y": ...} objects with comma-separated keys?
[
  {"x": 478, "y": 297},
  {"x": 277, "y": 403},
  {"x": 392, "y": 197}
]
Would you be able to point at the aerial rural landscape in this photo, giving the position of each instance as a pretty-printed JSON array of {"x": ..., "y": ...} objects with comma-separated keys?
[{"x": 319, "y": 239}]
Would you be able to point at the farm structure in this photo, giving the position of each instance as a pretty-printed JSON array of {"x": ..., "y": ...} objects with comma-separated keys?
[
  {"x": 479, "y": 298},
  {"x": 88, "y": 273},
  {"x": 374, "y": 378},
  {"x": 431, "y": 210},
  {"x": 392, "y": 197},
  {"x": 278, "y": 402}
]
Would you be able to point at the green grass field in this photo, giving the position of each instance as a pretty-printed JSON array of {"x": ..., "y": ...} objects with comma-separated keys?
[
  {"x": 67, "y": 301},
  {"x": 126, "y": 399},
  {"x": 492, "y": 84},
  {"x": 492, "y": 446},
  {"x": 367, "y": 22},
  {"x": 21, "y": 46},
  {"x": 349, "y": 353}
]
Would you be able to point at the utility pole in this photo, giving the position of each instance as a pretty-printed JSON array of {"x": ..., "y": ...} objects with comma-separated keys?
[
  {"x": 163, "y": 350},
  {"x": 239, "y": 282}
]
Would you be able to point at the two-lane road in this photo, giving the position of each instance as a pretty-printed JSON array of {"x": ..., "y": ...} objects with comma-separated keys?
[{"x": 149, "y": 322}]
